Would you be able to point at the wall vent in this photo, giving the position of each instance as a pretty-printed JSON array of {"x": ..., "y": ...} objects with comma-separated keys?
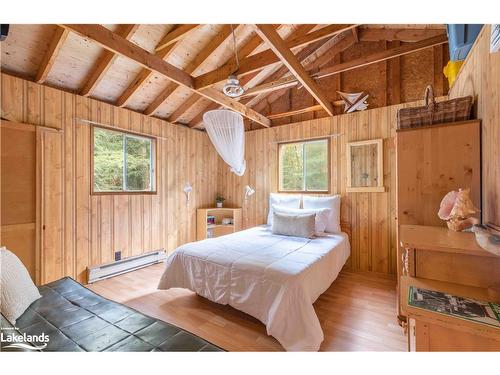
[{"x": 108, "y": 270}]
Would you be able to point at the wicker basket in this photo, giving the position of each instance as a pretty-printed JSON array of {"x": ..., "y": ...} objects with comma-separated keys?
[{"x": 458, "y": 109}]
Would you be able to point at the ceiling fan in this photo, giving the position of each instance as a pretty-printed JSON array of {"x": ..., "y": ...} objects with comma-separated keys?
[{"x": 232, "y": 88}]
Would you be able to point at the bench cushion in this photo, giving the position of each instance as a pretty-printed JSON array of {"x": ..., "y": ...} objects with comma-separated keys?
[{"x": 77, "y": 319}]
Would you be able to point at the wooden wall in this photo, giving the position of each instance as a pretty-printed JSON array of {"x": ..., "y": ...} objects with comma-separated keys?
[
  {"x": 480, "y": 77},
  {"x": 18, "y": 191},
  {"x": 83, "y": 229},
  {"x": 371, "y": 215}
]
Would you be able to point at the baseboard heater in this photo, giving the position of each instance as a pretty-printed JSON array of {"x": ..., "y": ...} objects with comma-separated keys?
[{"x": 108, "y": 270}]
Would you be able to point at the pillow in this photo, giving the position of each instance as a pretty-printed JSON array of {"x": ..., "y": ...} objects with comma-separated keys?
[
  {"x": 321, "y": 220},
  {"x": 284, "y": 200},
  {"x": 17, "y": 288},
  {"x": 333, "y": 202},
  {"x": 294, "y": 225}
]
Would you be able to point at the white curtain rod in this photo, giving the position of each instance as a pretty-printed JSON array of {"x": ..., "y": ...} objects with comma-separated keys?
[
  {"x": 309, "y": 138},
  {"x": 110, "y": 127}
]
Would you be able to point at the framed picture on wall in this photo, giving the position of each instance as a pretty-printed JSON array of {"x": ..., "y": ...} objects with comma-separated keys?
[{"x": 365, "y": 172}]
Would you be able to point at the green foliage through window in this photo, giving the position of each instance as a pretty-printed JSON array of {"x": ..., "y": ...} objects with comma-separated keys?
[
  {"x": 303, "y": 166},
  {"x": 122, "y": 162}
]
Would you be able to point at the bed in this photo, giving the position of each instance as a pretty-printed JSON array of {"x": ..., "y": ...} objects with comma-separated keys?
[
  {"x": 273, "y": 278},
  {"x": 76, "y": 320}
]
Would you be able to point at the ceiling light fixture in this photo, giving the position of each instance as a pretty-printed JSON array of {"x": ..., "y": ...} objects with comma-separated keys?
[{"x": 232, "y": 88}]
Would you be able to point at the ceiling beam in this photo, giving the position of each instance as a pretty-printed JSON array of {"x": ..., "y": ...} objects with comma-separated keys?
[
  {"x": 144, "y": 74},
  {"x": 357, "y": 63},
  {"x": 104, "y": 62},
  {"x": 243, "y": 52},
  {"x": 123, "y": 47},
  {"x": 50, "y": 56},
  {"x": 325, "y": 53},
  {"x": 173, "y": 37},
  {"x": 177, "y": 114},
  {"x": 381, "y": 56},
  {"x": 215, "y": 42},
  {"x": 294, "y": 112},
  {"x": 246, "y": 50},
  {"x": 265, "y": 58},
  {"x": 367, "y": 34},
  {"x": 355, "y": 34},
  {"x": 279, "y": 47}
]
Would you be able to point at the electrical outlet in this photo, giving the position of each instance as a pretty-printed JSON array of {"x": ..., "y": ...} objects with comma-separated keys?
[{"x": 118, "y": 255}]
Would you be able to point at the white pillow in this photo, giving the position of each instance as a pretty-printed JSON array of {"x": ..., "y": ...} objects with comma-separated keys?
[
  {"x": 293, "y": 225},
  {"x": 17, "y": 288},
  {"x": 332, "y": 202},
  {"x": 321, "y": 220},
  {"x": 284, "y": 200}
]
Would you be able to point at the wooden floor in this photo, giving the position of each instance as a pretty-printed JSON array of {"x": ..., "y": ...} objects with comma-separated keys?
[{"x": 357, "y": 312}]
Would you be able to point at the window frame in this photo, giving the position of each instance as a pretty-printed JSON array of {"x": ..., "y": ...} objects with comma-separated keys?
[
  {"x": 304, "y": 141},
  {"x": 130, "y": 134}
]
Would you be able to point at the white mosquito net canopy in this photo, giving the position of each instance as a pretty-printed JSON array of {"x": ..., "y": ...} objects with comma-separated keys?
[{"x": 226, "y": 131}]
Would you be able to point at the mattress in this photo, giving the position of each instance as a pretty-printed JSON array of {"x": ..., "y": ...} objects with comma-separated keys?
[
  {"x": 75, "y": 319},
  {"x": 274, "y": 278}
]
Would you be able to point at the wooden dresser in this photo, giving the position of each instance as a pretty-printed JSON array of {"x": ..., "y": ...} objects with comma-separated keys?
[{"x": 439, "y": 259}]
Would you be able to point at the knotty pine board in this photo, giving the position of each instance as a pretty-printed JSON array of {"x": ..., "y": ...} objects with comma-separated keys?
[{"x": 84, "y": 229}]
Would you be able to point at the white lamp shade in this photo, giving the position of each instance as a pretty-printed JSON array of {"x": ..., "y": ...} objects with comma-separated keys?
[{"x": 249, "y": 191}]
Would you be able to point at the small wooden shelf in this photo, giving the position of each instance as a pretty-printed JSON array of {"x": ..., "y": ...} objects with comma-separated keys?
[
  {"x": 219, "y": 225},
  {"x": 440, "y": 239},
  {"x": 217, "y": 229}
]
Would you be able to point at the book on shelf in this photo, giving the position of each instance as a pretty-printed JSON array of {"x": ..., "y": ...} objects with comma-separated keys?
[{"x": 459, "y": 307}]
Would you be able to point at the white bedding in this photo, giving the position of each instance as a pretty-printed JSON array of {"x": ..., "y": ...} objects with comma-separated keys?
[{"x": 274, "y": 278}]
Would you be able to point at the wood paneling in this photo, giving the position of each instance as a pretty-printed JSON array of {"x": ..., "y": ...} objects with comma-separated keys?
[
  {"x": 372, "y": 216},
  {"x": 433, "y": 161},
  {"x": 83, "y": 229},
  {"x": 480, "y": 77},
  {"x": 18, "y": 195}
]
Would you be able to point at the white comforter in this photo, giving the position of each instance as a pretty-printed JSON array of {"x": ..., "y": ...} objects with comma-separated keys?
[{"x": 274, "y": 278}]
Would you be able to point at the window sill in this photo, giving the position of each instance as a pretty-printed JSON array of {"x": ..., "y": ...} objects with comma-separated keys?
[{"x": 123, "y": 193}]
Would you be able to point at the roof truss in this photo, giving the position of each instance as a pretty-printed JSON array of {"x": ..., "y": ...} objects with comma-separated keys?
[
  {"x": 265, "y": 58},
  {"x": 146, "y": 73},
  {"x": 123, "y": 47}
]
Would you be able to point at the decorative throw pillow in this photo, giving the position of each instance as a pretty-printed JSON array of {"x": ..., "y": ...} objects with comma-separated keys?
[
  {"x": 321, "y": 220},
  {"x": 294, "y": 225},
  {"x": 333, "y": 203},
  {"x": 284, "y": 200},
  {"x": 17, "y": 289}
]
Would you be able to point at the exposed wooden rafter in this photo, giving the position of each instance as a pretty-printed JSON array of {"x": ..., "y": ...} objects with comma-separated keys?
[
  {"x": 105, "y": 61},
  {"x": 145, "y": 73},
  {"x": 195, "y": 64},
  {"x": 367, "y": 34},
  {"x": 244, "y": 52},
  {"x": 265, "y": 58},
  {"x": 119, "y": 45},
  {"x": 294, "y": 112},
  {"x": 177, "y": 34},
  {"x": 50, "y": 56},
  {"x": 357, "y": 63},
  {"x": 288, "y": 58}
]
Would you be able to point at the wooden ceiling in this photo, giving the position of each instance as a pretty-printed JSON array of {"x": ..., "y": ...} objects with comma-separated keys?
[{"x": 176, "y": 72}]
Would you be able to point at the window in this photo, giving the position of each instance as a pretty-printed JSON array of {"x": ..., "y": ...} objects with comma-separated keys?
[
  {"x": 304, "y": 166},
  {"x": 122, "y": 162}
]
